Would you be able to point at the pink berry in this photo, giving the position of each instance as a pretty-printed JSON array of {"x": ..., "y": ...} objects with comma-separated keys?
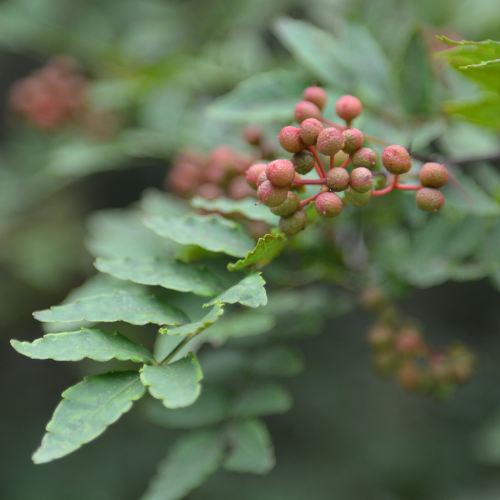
[
  {"x": 270, "y": 195},
  {"x": 364, "y": 157},
  {"x": 429, "y": 199},
  {"x": 309, "y": 131},
  {"x": 361, "y": 180},
  {"x": 280, "y": 173},
  {"x": 253, "y": 173},
  {"x": 330, "y": 141},
  {"x": 316, "y": 95},
  {"x": 305, "y": 110},
  {"x": 328, "y": 204},
  {"x": 337, "y": 179},
  {"x": 353, "y": 140},
  {"x": 348, "y": 107},
  {"x": 290, "y": 140},
  {"x": 433, "y": 175},
  {"x": 396, "y": 160}
]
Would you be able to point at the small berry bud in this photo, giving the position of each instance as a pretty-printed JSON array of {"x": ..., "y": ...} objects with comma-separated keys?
[
  {"x": 293, "y": 224},
  {"x": 328, "y": 204},
  {"x": 429, "y": 199},
  {"x": 396, "y": 160},
  {"x": 290, "y": 140},
  {"x": 253, "y": 173},
  {"x": 357, "y": 199},
  {"x": 433, "y": 175},
  {"x": 348, "y": 107},
  {"x": 330, "y": 141},
  {"x": 288, "y": 207},
  {"x": 303, "y": 161},
  {"x": 316, "y": 95},
  {"x": 353, "y": 140},
  {"x": 380, "y": 337},
  {"x": 305, "y": 110},
  {"x": 309, "y": 131},
  {"x": 270, "y": 195},
  {"x": 364, "y": 157},
  {"x": 361, "y": 180},
  {"x": 280, "y": 173},
  {"x": 337, "y": 179},
  {"x": 253, "y": 134}
]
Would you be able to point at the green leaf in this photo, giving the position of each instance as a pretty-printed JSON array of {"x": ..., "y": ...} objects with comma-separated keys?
[
  {"x": 246, "y": 207},
  {"x": 210, "y": 408},
  {"x": 249, "y": 291},
  {"x": 251, "y": 448},
  {"x": 119, "y": 306},
  {"x": 484, "y": 112},
  {"x": 267, "y": 248},
  {"x": 156, "y": 202},
  {"x": 192, "y": 458},
  {"x": 277, "y": 361},
  {"x": 86, "y": 410},
  {"x": 211, "y": 232},
  {"x": 264, "y": 97},
  {"x": 176, "y": 384},
  {"x": 93, "y": 344},
  {"x": 197, "y": 326},
  {"x": 262, "y": 399},
  {"x": 170, "y": 274}
]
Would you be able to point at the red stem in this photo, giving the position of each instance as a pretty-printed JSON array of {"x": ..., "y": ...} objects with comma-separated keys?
[
  {"x": 301, "y": 182},
  {"x": 319, "y": 167},
  {"x": 332, "y": 161},
  {"x": 406, "y": 187},
  {"x": 344, "y": 165},
  {"x": 303, "y": 203}
]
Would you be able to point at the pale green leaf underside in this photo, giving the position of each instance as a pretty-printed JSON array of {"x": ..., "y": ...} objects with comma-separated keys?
[
  {"x": 262, "y": 399},
  {"x": 176, "y": 384},
  {"x": 249, "y": 291},
  {"x": 119, "y": 306},
  {"x": 169, "y": 274},
  {"x": 197, "y": 326},
  {"x": 192, "y": 458},
  {"x": 211, "y": 232},
  {"x": 251, "y": 448},
  {"x": 87, "y": 343},
  {"x": 266, "y": 250},
  {"x": 86, "y": 410}
]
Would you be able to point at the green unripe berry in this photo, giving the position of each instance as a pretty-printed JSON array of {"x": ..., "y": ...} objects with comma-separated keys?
[
  {"x": 328, "y": 204},
  {"x": 309, "y": 131},
  {"x": 316, "y": 95},
  {"x": 288, "y": 207},
  {"x": 353, "y": 140},
  {"x": 433, "y": 175},
  {"x": 396, "y": 160},
  {"x": 280, "y": 173},
  {"x": 290, "y": 140},
  {"x": 293, "y": 224},
  {"x": 361, "y": 180},
  {"x": 270, "y": 195},
  {"x": 252, "y": 174},
  {"x": 337, "y": 179},
  {"x": 429, "y": 199},
  {"x": 364, "y": 157},
  {"x": 357, "y": 199},
  {"x": 305, "y": 110},
  {"x": 348, "y": 107},
  {"x": 330, "y": 141},
  {"x": 303, "y": 161}
]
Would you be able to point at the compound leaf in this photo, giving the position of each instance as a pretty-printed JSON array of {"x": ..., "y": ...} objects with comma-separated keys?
[
  {"x": 197, "y": 326},
  {"x": 249, "y": 291},
  {"x": 267, "y": 248},
  {"x": 87, "y": 343},
  {"x": 86, "y": 410}
]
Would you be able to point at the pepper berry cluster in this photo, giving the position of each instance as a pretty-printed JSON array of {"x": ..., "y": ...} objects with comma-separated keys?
[{"x": 276, "y": 181}]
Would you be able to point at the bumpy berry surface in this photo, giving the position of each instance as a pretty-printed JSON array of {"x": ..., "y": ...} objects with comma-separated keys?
[
  {"x": 253, "y": 173},
  {"x": 357, "y": 199},
  {"x": 330, "y": 141},
  {"x": 280, "y": 173},
  {"x": 290, "y": 140},
  {"x": 348, "y": 107},
  {"x": 305, "y": 110},
  {"x": 433, "y": 175},
  {"x": 288, "y": 207},
  {"x": 293, "y": 224},
  {"x": 303, "y": 162},
  {"x": 337, "y": 179},
  {"x": 353, "y": 140},
  {"x": 309, "y": 131},
  {"x": 364, "y": 157},
  {"x": 429, "y": 199},
  {"x": 316, "y": 95},
  {"x": 361, "y": 180},
  {"x": 328, "y": 204},
  {"x": 262, "y": 177},
  {"x": 270, "y": 195},
  {"x": 396, "y": 160}
]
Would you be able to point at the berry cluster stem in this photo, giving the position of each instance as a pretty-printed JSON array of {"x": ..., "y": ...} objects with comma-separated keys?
[
  {"x": 303, "y": 203},
  {"x": 395, "y": 185},
  {"x": 303, "y": 182},
  {"x": 319, "y": 164}
]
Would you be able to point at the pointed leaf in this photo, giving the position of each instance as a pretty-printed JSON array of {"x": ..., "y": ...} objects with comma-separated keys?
[
  {"x": 249, "y": 291},
  {"x": 211, "y": 232},
  {"x": 262, "y": 399},
  {"x": 87, "y": 343},
  {"x": 171, "y": 274},
  {"x": 86, "y": 410},
  {"x": 197, "y": 326},
  {"x": 267, "y": 248},
  {"x": 176, "y": 384},
  {"x": 119, "y": 306},
  {"x": 192, "y": 458},
  {"x": 251, "y": 448}
]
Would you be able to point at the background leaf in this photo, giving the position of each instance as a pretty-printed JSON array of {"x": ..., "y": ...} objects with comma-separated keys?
[{"x": 262, "y": 399}]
